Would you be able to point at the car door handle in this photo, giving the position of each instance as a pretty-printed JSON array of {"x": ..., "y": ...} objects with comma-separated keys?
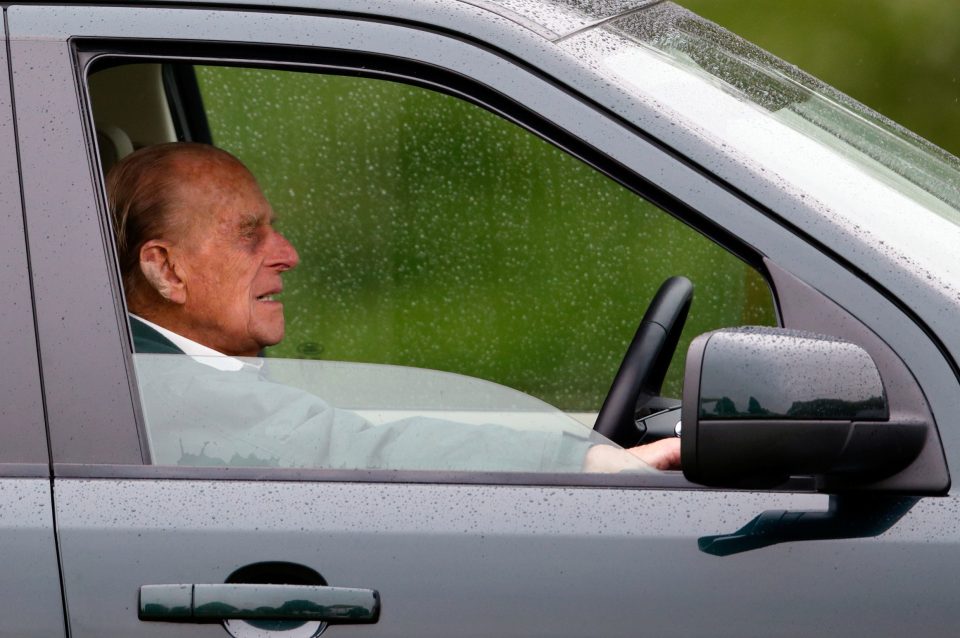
[{"x": 214, "y": 603}]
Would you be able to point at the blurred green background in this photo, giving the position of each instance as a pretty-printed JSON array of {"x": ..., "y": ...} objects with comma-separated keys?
[
  {"x": 899, "y": 57},
  {"x": 435, "y": 234}
]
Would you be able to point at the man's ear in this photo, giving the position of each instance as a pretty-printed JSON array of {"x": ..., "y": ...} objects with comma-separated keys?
[{"x": 157, "y": 268}]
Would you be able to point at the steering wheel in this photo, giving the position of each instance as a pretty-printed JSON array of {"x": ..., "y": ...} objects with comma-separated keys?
[{"x": 641, "y": 374}]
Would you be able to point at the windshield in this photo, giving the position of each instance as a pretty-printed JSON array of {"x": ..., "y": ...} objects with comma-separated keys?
[
  {"x": 889, "y": 152},
  {"x": 742, "y": 75}
]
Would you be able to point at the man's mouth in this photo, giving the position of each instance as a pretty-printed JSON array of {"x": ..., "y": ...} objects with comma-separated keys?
[
  {"x": 269, "y": 296},
  {"x": 269, "y": 292}
]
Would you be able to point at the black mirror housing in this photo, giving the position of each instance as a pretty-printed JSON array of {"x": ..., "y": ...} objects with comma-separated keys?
[{"x": 763, "y": 404}]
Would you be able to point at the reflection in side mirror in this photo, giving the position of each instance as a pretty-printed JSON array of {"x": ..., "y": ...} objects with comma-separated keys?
[{"x": 763, "y": 404}]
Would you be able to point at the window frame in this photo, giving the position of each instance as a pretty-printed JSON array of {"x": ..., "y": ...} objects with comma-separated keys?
[
  {"x": 94, "y": 55},
  {"x": 653, "y": 185}
]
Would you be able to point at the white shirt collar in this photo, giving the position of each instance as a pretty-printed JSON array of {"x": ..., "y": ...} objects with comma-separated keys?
[{"x": 199, "y": 352}]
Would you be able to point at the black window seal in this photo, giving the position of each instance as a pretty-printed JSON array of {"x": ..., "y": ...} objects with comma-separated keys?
[{"x": 185, "y": 103}]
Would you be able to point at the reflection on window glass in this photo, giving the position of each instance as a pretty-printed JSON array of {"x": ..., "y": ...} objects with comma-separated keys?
[
  {"x": 336, "y": 415},
  {"x": 435, "y": 234}
]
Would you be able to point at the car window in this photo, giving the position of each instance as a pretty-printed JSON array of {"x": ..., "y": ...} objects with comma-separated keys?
[{"x": 465, "y": 290}]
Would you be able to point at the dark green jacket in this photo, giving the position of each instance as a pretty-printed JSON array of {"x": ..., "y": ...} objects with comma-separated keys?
[{"x": 149, "y": 341}]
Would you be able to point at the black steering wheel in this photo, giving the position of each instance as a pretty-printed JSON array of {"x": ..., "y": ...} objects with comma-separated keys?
[{"x": 641, "y": 374}]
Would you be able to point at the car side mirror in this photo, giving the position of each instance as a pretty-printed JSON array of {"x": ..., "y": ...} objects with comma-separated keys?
[{"x": 763, "y": 404}]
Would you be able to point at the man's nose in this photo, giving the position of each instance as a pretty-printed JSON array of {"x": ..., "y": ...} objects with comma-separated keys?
[{"x": 283, "y": 255}]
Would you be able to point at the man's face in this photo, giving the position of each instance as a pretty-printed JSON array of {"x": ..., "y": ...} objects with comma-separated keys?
[{"x": 230, "y": 260}]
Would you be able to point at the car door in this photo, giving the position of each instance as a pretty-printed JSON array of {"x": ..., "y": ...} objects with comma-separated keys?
[
  {"x": 471, "y": 552},
  {"x": 30, "y": 580}
]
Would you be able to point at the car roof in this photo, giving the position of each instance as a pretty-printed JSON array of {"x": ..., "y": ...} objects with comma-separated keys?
[{"x": 551, "y": 19}]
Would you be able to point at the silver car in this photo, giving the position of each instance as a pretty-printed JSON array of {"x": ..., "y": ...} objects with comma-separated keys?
[{"x": 487, "y": 196}]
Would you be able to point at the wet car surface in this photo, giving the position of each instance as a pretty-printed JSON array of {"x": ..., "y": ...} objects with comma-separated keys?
[{"x": 816, "y": 492}]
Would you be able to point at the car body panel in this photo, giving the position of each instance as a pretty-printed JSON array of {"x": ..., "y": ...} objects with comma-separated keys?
[
  {"x": 550, "y": 19},
  {"x": 64, "y": 226},
  {"x": 23, "y": 438},
  {"x": 32, "y": 605},
  {"x": 507, "y": 560}
]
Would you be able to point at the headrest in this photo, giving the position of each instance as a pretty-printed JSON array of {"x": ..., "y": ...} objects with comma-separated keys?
[{"x": 114, "y": 145}]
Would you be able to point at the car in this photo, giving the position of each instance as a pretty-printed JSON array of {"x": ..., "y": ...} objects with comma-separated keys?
[{"x": 488, "y": 199}]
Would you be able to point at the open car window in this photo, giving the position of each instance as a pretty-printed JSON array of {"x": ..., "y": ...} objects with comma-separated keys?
[{"x": 466, "y": 290}]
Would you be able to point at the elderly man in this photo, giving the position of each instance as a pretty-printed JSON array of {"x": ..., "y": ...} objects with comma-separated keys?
[{"x": 201, "y": 265}]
